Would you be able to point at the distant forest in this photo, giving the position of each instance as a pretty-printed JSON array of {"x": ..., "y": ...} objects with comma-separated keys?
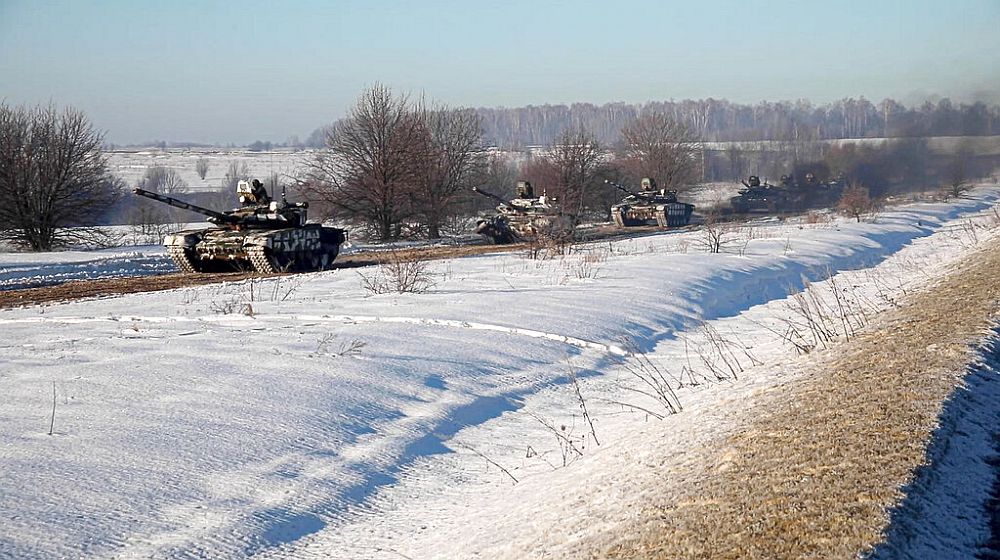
[{"x": 717, "y": 120}]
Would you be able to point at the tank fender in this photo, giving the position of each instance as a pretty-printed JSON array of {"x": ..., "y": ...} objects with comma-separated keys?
[{"x": 186, "y": 239}]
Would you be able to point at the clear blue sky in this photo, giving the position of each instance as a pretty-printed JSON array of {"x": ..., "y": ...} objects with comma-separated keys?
[{"x": 214, "y": 71}]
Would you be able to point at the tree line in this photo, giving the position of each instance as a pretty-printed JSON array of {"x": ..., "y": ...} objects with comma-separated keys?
[
  {"x": 405, "y": 168},
  {"x": 719, "y": 120},
  {"x": 402, "y": 167}
]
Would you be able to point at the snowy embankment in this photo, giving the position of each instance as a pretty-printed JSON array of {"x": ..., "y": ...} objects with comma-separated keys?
[
  {"x": 946, "y": 512},
  {"x": 297, "y": 416}
]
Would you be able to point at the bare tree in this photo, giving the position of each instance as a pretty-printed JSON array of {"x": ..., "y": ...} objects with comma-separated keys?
[
  {"x": 450, "y": 162},
  {"x": 855, "y": 201},
  {"x": 500, "y": 176},
  {"x": 367, "y": 169},
  {"x": 164, "y": 180},
  {"x": 201, "y": 166},
  {"x": 575, "y": 163},
  {"x": 236, "y": 172},
  {"x": 657, "y": 146},
  {"x": 53, "y": 176},
  {"x": 957, "y": 171}
]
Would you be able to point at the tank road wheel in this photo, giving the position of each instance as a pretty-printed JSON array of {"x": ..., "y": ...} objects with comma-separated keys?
[
  {"x": 262, "y": 262},
  {"x": 183, "y": 258},
  {"x": 319, "y": 261}
]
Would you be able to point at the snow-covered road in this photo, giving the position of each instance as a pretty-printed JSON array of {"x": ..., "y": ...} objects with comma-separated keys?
[{"x": 301, "y": 416}]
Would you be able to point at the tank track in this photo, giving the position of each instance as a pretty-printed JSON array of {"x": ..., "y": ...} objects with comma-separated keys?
[
  {"x": 182, "y": 259},
  {"x": 261, "y": 262}
]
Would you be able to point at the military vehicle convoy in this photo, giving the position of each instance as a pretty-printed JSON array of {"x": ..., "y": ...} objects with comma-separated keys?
[
  {"x": 757, "y": 197},
  {"x": 650, "y": 207},
  {"x": 264, "y": 235},
  {"x": 525, "y": 217},
  {"x": 788, "y": 196}
]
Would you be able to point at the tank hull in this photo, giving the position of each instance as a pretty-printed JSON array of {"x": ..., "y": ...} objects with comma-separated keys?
[
  {"x": 671, "y": 214},
  {"x": 298, "y": 249},
  {"x": 504, "y": 229}
]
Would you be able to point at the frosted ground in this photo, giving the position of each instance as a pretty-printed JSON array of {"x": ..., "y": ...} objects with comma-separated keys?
[{"x": 303, "y": 417}]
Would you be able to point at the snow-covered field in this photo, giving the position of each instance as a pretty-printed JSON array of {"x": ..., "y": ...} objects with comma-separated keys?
[
  {"x": 303, "y": 417},
  {"x": 131, "y": 166}
]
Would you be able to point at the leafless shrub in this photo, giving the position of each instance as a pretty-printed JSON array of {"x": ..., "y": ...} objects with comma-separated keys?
[
  {"x": 856, "y": 203},
  {"x": 820, "y": 316},
  {"x": 655, "y": 383},
  {"x": 814, "y": 217},
  {"x": 252, "y": 291},
  {"x": 994, "y": 220},
  {"x": 201, "y": 167},
  {"x": 965, "y": 233},
  {"x": 278, "y": 289},
  {"x": 716, "y": 235},
  {"x": 551, "y": 241},
  {"x": 489, "y": 460},
  {"x": 570, "y": 445},
  {"x": 398, "y": 273},
  {"x": 325, "y": 346},
  {"x": 583, "y": 404},
  {"x": 148, "y": 224},
  {"x": 52, "y": 421},
  {"x": 722, "y": 354},
  {"x": 587, "y": 265},
  {"x": 232, "y": 305},
  {"x": 747, "y": 233}
]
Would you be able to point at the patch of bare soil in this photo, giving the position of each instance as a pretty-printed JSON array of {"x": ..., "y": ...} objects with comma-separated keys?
[
  {"x": 81, "y": 289},
  {"x": 817, "y": 466}
]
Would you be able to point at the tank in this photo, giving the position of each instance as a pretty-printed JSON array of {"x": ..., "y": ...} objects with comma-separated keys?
[
  {"x": 525, "y": 217},
  {"x": 788, "y": 196},
  {"x": 263, "y": 235},
  {"x": 758, "y": 197},
  {"x": 650, "y": 207}
]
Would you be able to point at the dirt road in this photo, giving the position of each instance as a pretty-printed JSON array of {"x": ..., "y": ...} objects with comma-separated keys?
[
  {"x": 814, "y": 469},
  {"x": 80, "y": 289}
]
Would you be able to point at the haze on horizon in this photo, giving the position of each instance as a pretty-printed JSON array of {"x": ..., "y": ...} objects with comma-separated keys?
[{"x": 234, "y": 72}]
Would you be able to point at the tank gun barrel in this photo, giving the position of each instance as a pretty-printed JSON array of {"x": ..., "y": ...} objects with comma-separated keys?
[
  {"x": 217, "y": 216},
  {"x": 621, "y": 188},
  {"x": 488, "y": 194}
]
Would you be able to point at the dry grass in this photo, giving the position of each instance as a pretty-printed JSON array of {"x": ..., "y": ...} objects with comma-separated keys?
[{"x": 818, "y": 463}]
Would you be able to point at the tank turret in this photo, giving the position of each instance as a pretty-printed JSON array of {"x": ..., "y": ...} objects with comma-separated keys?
[
  {"x": 650, "y": 207},
  {"x": 524, "y": 217},
  {"x": 263, "y": 235}
]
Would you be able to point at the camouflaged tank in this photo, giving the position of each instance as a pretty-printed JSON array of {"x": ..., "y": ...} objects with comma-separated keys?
[
  {"x": 525, "y": 218},
  {"x": 759, "y": 197},
  {"x": 262, "y": 235},
  {"x": 650, "y": 207},
  {"x": 789, "y": 195}
]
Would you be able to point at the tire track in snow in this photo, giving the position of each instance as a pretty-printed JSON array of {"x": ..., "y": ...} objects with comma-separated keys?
[{"x": 345, "y": 319}]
